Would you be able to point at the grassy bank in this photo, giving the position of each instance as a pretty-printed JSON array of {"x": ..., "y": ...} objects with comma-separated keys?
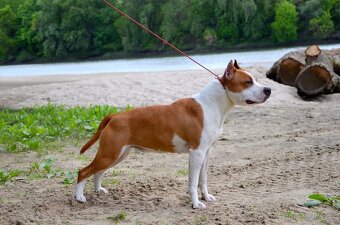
[{"x": 42, "y": 127}]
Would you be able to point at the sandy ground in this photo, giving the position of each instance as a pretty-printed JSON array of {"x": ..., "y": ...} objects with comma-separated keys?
[{"x": 269, "y": 159}]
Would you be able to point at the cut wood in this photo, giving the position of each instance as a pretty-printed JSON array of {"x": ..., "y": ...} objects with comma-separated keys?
[
  {"x": 312, "y": 72},
  {"x": 317, "y": 79},
  {"x": 286, "y": 69},
  {"x": 313, "y": 50},
  {"x": 317, "y": 76}
]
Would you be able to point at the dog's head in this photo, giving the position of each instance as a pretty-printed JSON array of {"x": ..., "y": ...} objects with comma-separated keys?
[{"x": 242, "y": 88}]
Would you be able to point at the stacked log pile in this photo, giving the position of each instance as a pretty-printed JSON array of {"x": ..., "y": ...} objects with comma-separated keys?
[{"x": 312, "y": 72}]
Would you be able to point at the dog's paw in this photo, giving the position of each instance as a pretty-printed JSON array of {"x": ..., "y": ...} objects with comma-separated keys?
[
  {"x": 199, "y": 205},
  {"x": 102, "y": 190},
  {"x": 209, "y": 198},
  {"x": 80, "y": 198}
]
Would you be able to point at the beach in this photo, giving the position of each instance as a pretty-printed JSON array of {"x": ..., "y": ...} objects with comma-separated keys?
[{"x": 269, "y": 159}]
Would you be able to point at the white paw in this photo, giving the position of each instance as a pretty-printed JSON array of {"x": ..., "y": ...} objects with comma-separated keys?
[
  {"x": 209, "y": 198},
  {"x": 81, "y": 198},
  {"x": 102, "y": 190},
  {"x": 199, "y": 205}
]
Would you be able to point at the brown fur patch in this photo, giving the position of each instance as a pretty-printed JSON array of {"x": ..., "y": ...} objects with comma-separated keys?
[
  {"x": 154, "y": 127},
  {"x": 240, "y": 81}
]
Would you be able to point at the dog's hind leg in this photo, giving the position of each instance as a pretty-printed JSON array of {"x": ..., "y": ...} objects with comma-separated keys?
[
  {"x": 97, "y": 178},
  {"x": 95, "y": 167},
  {"x": 109, "y": 154}
]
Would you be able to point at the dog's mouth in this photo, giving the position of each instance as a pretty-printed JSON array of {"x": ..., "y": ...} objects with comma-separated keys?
[{"x": 249, "y": 102}]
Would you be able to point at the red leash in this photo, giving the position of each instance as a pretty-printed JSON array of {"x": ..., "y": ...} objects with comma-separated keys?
[{"x": 157, "y": 36}]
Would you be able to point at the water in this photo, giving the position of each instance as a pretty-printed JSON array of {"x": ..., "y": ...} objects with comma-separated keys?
[{"x": 211, "y": 61}]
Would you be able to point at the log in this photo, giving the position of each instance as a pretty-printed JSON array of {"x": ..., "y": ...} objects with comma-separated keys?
[
  {"x": 318, "y": 75},
  {"x": 287, "y": 68},
  {"x": 313, "y": 71}
]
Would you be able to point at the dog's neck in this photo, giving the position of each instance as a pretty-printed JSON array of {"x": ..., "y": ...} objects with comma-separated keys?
[{"x": 215, "y": 100}]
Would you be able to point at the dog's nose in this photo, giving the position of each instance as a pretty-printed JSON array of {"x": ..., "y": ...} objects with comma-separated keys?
[{"x": 267, "y": 91}]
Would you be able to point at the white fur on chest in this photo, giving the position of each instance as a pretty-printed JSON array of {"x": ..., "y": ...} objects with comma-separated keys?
[{"x": 216, "y": 106}]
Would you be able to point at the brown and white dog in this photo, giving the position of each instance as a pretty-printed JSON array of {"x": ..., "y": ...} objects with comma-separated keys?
[{"x": 189, "y": 125}]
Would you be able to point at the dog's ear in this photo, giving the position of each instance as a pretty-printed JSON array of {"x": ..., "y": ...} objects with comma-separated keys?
[
  {"x": 236, "y": 65},
  {"x": 229, "y": 71}
]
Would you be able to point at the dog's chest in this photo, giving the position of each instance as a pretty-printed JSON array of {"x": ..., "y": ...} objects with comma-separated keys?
[{"x": 180, "y": 145}]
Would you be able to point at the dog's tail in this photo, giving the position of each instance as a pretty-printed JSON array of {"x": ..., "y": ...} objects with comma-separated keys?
[{"x": 96, "y": 136}]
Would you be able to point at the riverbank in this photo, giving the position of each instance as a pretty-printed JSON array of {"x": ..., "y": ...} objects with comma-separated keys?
[
  {"x": 214, "y": 62},
  {"x": 242, "y": 47}
]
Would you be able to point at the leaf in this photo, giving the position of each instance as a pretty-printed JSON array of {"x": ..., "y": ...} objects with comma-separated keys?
[
  {"x": 319, "y": 197},
  {"x": 312, "y": 203}
]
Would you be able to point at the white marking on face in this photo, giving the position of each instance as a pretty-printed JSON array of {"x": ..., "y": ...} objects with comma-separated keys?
[
  {"x": 253, "y": 94},
  {"x": 180, "y": 145}
]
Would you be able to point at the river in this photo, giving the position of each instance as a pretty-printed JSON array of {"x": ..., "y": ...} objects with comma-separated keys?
[{"x": 211, "y": 61}]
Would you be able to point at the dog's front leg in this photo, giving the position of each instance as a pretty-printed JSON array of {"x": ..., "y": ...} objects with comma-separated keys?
[
  {"x": 195, "y": 164},
  {"x": 203, "y": 179}
]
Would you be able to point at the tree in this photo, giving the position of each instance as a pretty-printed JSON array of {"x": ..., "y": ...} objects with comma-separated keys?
[
  {"x": 78, "y": 28},
  {"x": 106, "y": 38},
  {"x": 228, "y": 15},
  {"x": 284, "y": 26},
  {"x": 28, "y": 37},
  {"x": 8, "y": 27},
  {"x": 175, "y": 26},
  {"x": 147, "y": 12},
  {"x": 333, "y": 7},
  {"x": 202, "y": 20}
]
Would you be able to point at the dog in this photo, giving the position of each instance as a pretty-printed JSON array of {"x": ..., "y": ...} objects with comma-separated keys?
[{"x": 188, "y": 125}]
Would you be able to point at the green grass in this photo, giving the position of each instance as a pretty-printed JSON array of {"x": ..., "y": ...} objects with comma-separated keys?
[
  {"x": 42, "y": 170},
  {"x": 6, "y": 176},
  {"x": 108, "y": 182},
  {"x": 117, "y": 218},
  {"x": 297, "y": 216},
  {"x": 183, "y": 172},
  {"x": 43, "y": 127}
]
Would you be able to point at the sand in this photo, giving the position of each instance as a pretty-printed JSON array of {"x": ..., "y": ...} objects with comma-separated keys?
[{"x": 269, "y": 159}]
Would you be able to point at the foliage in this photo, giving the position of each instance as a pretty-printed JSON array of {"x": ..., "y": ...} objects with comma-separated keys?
[
  {"x": 70, "y": 177},
  {"x": 175, "y": 22},
  {"x": 44, "y": 126},
  {"x": 321, "y": 26},
  {"x": 285, "y": 24},
  {"x": 6, "y": 176},
  {"x": 51, "y": 30},
  {"x": 40, "y": 170},
  {"x": 8, "y": 26},
  {"x": 317, "y": 199},
  {"x": 12, "y": 3},
  {"x": 44, "y": 170}
]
